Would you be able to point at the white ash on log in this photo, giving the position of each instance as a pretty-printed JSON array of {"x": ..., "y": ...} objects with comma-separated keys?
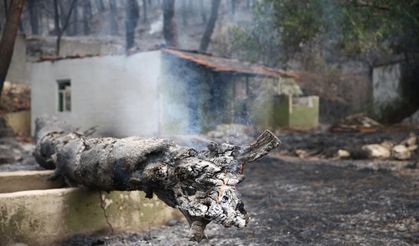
[{"x": 202, "y": 185}]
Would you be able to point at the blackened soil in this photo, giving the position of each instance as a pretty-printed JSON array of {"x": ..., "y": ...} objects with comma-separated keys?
[
  {"x": 327, "y": 144},
  {"x": 299, "y": 202}
]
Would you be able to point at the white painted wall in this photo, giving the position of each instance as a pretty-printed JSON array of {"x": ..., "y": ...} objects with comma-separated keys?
[
  {"x": 386, "y": 85},
  {"x": 119, "y": 94}
]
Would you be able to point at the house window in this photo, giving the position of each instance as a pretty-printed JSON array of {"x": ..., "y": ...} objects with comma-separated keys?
[{"x": 64, "y": 95}]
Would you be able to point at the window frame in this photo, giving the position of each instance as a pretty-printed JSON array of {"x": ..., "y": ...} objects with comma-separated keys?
[{"x": 63, "y": 94}]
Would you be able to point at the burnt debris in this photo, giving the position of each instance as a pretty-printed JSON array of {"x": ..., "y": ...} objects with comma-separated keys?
[{"x": 202, "y": 185}]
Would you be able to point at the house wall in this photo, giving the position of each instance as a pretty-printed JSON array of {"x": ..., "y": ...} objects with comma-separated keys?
[
  {"x": 386, "y": 86},
  {"x": 119, "y": 94},
  {"x": 194, "y": 99},
  {"x": 281, "y": 106},
  {"x": 395, "y": 88}
]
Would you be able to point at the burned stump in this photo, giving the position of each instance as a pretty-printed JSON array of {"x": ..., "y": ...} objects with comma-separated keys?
[{"x": 202, "y": 185}]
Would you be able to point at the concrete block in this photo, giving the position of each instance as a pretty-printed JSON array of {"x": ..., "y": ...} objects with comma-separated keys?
[
  {"x": 43, "y": 217},
  {"x": 24, "y": 180}
]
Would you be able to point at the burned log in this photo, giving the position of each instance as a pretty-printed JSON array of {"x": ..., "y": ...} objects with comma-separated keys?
[{"x": 202, "y": 185}]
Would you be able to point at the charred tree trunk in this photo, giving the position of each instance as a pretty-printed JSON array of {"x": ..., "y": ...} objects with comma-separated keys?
[
  {"x": 8, "y": 38},
  {"x": 75, "y": 20},
  {"x": 100, "y": 6},
  {"x": 87, "y": 16},
  {"x": 113, "y": 17},
  {"x": 60, "y": 28},
  {"x": 203, "y": 11},
  {"x": 185, "y": 13},
  {"x": 202, "y": 185},
  {"x": 6, "y": 8},
  {"x": 145, "y": 10},
  {"x": 133, "y": 14},
  {"x": 169, "y": 25},
  {"x": 206, "y": 38},
  {"x": 62, "y": 8},
  {"x": 233, "y": 7},
  {"x": 33, "y": 16}
]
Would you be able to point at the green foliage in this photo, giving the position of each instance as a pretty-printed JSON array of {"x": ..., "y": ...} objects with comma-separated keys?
[
  {"x": 380, "y": 24},
  {"x": 282, "y": 27}
]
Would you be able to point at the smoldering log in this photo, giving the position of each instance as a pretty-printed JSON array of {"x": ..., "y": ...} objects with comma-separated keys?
[{"x": 202, "y": 185}]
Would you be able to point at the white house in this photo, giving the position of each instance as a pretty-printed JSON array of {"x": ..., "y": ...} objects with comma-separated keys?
[
  {"x": 117, "y": 93},
  {"x": 148, "y": 93}
]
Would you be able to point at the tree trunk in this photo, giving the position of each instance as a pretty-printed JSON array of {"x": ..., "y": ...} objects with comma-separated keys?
[
  {"x": 57, "y": 28},
  {"x": 202, "y": 185},
  {"x": 206, "y": 38},
  {"x": 113, "y": 17},
  {"x": 87, "y": 16},
  {"x": 185, "y": 13},
  {"x": 203, "y": 11},
  {"x": 33, "y": 16},
  {"x": 233, "y": 7},
  {"x": 6, "y": 8},
  {"x": 145, "y": 10},
  {"x": 133, "y": 14},
  {"x": 100, "y": 6},
  {"x": 169, "y": 25},
  {"x": 62, "y": 6},
  {"x": 75, "y": 20},
  {"x": 250, "y": 3},
  {"x": 8, "y": 38},
  {"x": 21, "y": 27},
  {"x": 60, "y": 29}
]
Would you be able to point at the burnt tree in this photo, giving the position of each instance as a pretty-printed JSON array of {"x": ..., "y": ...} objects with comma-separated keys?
[
  {"x": 206, "y": 38},
  {"x": 145, "y": 10},
  {"x": 202, "y": 185},
  {"x": 233, "y": 7},
  {"x": 87, "y": 16},
  {"x": 61, "y": 27},
  {"x": 203, "y": 11},
  {"x": 133, "y": 14},
  {"x": 8, "y": 38},
  {"x": 113, "y": 17},
  {"x": 100, "y": 5},
  {"x": 75, "y": 19},
  {"x": 169, "y": 25},
  {"x": 33, "y": 16}
]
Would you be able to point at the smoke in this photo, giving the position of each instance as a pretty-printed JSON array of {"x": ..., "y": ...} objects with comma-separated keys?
[
  {"x": 156, "y": 26},
  {"x": 148, "y": 94}
]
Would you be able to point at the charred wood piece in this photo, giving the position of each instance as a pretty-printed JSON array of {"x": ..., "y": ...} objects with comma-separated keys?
[{"x": 202, "y": 185}]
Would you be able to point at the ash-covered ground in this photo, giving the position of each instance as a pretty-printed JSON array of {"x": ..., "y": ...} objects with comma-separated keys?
[
  {"x": 326, "y": 144},
  {"x": 303, "y": 202},
  {"x": 314, "y": 200}
]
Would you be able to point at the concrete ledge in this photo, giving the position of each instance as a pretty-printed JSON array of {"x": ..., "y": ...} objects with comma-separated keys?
[
  {"x": 42, "y": 217},
  {"x": 27, "y": 180}
]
